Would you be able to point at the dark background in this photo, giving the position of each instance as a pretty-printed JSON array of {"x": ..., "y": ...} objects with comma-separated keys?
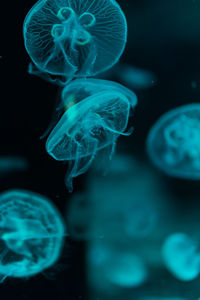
[{"x": 163, "y": 37}]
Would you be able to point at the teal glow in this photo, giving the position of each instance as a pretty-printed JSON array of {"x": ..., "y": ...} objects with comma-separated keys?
[
  {"x": 119, "y": 268},
  {"x": 75, "y": 38},
  {"x": 173, "y": 143},
  {"x": 31, "y": 233},
  {"x": 180, "y": 256},
  {"x": 10, "y": 164},
  {"x": 91, "y": 124}
]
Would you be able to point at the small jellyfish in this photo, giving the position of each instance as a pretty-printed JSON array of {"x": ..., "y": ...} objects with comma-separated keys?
[
  {"x": 75, "y": 38},
  {"x": 31, "y": 233},
  {"x": 90, "y": 125},
  {"x": 9, "y": 164},
  {"x": 122, "y": 269},
  {"x": 173, "y": 143},
  {"x": 180, "y": 256},
  {"x": 134, "y": 77}
]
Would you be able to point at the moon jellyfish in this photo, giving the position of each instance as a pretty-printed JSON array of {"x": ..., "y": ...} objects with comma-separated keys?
[
  {"x": 173, "y": 143},
  {"x": 9, "y": 164},
  {"x": 111, "y": 266},
  {"x": 92, "y": 124},
  {"x": 75, "y": 38},
  {"x": 31, "y": 233},
  {"x": 180, "y": 256},
  {"x": 134, "y": 77}
]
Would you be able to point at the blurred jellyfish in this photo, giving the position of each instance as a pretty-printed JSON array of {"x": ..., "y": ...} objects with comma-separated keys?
[
  {"x": 180, "y": 256},
  {"x": 9, "y": 164},
  {"x": 135, "y": 78},
  {"x": 173, "y": 143},
  {"x": 92, "y": 124},
  {"x": 75, "y": 38},
  {"x": 79, "y": 217},
  {"x": 31, "y": 233},
  {"x": 116, "y": 267},
  {"x": 125, "y": 205},
  {"x": 162, "y": 298}
]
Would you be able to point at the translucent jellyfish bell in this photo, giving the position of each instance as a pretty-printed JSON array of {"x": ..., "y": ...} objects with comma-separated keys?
[
  {"x": 173, "y": 143},
  {"x": 75, "y": 38},
  {"x": 79, "y": 89},
  {"x": 31, "y": 233},
  {"x": 10, "y": 164},
  {"x": 180, "y": 256},
  {"x": 120, "y": 268},
  {"x": 89, "y": 126}
]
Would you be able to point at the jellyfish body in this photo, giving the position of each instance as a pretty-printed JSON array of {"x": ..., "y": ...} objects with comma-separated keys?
[
  {"x": 31, "y": 233},
  {"x": 80, "y": 89},
  {"x": 10, "y": 164},
  {"x": 88, "y": 126},
  {"x": 180, "y": 256},
  {"x": 173, "y": 143},
  {"x": 135, "y": 78},
  {"x": 122, "y": 269},
  {"x": 75, "y": 38}
]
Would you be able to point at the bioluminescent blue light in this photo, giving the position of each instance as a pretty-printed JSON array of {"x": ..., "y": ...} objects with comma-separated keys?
[
  {"x": 75, "y": 38},
  {"x": 180, "y": 256},
  {"x": 79, "y": 216},
  {"x": 79, "y": 89},
  {"x": 31, "y": 233},
  {"x": 173, "y": 143},
  {"x": 162, "y": 298},
  {"x": 126, "y": 270},
  {"x": 10, "y": 164},
  {"x": 135, "y": 78},
  {"x": 120, "y": 268},
  {"x": 90, "y": 125}
]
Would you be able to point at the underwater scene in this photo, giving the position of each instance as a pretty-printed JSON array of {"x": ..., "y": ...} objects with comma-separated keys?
[{"x": 100, "y": 150}]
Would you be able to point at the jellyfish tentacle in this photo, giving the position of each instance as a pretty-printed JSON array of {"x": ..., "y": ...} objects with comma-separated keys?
[{"x": 76, "y": 167}]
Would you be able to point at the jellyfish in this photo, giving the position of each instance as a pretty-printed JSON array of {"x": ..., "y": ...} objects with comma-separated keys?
[
  {"x": 31, "y": 233},
  {"x": 90, "y": 125},
  {"x": 173, "y": 143},
  {"x": 114, "y": 267},
  {"x": 79, "y": 89},
  {"x": 9, "y": 164},
  {"x": 180, "y": 256},
  {"x": 134, "y": 77},
  {"x": 75, "y": 38}
]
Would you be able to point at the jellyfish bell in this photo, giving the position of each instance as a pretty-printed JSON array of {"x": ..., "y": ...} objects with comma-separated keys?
[
  {"x": 116, "y": 268},
  {"x": 88, "y": 119},
  {"x": 79, "y": 89},
  {"x": 180, "y": 256},
  {"x": 31, "y": 233},
  {"x": 173, "y": 142},
  {"x": 87, "y": 127},
  {"x": 75, "y": 38}
]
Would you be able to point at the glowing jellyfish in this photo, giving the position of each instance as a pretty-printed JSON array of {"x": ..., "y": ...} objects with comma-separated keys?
[
  {"x": 31, "y": 233},
  {"x": 90, "y": 125},
  {"x": 120, "y": 268},
  {"x": 173, "y": 143},
  {"x": 75, "y": 38},
  {"x": 134, "y": 77},
  {"x": 180, "y": 256},
  {"x": 10, "y": 164}
]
